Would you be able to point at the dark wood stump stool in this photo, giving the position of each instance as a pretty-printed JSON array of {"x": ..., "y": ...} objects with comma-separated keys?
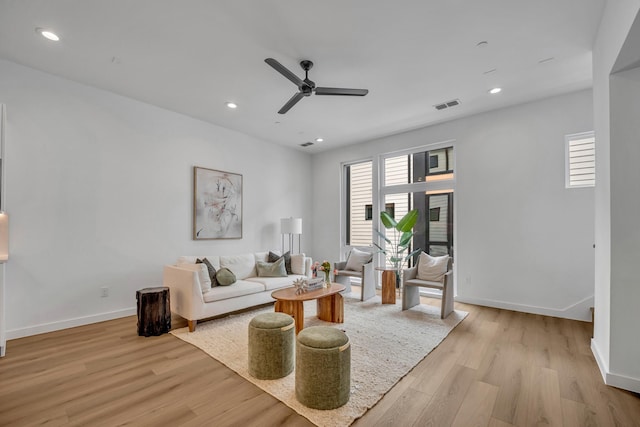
[{"x": 154, "y": 312}]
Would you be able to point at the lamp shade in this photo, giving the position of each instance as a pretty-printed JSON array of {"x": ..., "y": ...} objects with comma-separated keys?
[{"x": 291, "y": 226}]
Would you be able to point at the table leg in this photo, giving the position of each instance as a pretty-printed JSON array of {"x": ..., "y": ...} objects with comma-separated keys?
[
  {"x": 293, "y": 308},
  {"x": 388, "y": 287},
  {"x": 331, "y": 308}
]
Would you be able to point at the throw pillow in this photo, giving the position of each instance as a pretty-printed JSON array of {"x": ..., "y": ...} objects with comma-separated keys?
[
  {"x": 203, "y": 275},
  {"x": 273, "y": 257},
  {"x": 271, "y": 269},
  {"x": 225, "y": 277},
  {"x": 211, "y": 269},
  {"x": 432, "y": 268},
  {"x": 297, "y": 264},
  {"x": 357, "y": 259}
]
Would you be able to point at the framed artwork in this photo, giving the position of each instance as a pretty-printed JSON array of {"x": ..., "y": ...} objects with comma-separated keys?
[{"x": 217, "y": 204}]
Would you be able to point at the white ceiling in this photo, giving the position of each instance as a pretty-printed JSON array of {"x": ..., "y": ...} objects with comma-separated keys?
[{"x": 192, "y": 56}]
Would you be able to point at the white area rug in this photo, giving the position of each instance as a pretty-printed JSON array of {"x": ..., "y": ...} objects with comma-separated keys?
[{"x": 386, "y": 343}]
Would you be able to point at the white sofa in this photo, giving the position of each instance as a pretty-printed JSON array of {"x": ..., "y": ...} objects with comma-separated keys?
[{"x": 189, "y": 301}]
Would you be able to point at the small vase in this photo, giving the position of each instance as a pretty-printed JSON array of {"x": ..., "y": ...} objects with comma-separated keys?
[{"x": 327, "y": 279}]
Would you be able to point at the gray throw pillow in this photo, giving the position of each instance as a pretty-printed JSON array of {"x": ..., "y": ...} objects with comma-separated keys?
[
  {"x": 225, "y": 277},
  {"x": 212, "y": 270},
  {"x": 273, "y": 257},
  {"x": 271, "y": 269}
]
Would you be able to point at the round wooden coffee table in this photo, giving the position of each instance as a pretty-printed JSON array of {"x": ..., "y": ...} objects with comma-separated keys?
[{"x": 329, "y": 300}]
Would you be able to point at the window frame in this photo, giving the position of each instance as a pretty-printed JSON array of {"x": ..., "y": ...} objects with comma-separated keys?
[{"x": 567, "y": 162}]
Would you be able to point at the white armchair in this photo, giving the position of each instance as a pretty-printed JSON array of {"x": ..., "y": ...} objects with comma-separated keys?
[
  {"x": 359, "y": 263},
  {"x": 411, "y": 291}
]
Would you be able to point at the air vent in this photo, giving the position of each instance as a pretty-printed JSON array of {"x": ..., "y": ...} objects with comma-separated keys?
[
  {"x": 306, "y": 144},
  {"x": 447, "y": 104}
]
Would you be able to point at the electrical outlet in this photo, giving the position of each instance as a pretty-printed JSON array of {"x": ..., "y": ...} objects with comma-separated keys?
[{"x": 104, "y": 292}]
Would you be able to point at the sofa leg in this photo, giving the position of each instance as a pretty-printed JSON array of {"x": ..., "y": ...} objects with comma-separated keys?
[{"x": 192, "y": 325}]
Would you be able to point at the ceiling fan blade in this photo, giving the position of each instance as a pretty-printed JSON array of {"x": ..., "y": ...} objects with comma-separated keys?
[
  {"x": 284, "y": 71},
  {"x": 290, "y": 103},
  {"x": 341, "y": 91}
]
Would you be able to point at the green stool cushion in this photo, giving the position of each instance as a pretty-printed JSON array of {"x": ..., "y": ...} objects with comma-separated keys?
[
  {"x": 323, "y": 367},
  {"x": 271, "y": 321},
  {"x": 271, "y": 340},
  {"x": 322, "y": 337}
]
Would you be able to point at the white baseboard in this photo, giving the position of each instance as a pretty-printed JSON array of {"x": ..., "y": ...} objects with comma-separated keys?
[
  {"x": 599, "y": 360},
  {"x": 578, "y": 311},
  {"x": 611, "y": 379},
  {"x": 69, "y": 323}
]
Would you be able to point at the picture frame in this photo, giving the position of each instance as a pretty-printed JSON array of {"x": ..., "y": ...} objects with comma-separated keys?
[{"x": 217, "y": 204}]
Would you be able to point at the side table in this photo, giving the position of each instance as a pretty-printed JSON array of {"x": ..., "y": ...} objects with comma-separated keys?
[
  {"x": 388, "y": 285},
  {"x": 154, "y": 311}
]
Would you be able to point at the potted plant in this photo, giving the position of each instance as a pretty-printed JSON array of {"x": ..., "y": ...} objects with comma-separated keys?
[{"x": 398, "y": 244}]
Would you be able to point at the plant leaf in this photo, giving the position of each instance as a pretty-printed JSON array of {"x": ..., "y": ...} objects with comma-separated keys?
[
  {"x": 408, "y": 257},
  {"x": 405, "y": 238},
  {"x": 407, "y": 222},
  {"x": 384, "y": 237},
  {"x": 387, "y": 220},
  {"x": 381, "y": 250}
]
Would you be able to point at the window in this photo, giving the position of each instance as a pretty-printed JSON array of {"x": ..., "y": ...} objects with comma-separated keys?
[
  {"x": 359, "y": 212},
  {"x": 389, "y": 207},
  {"x": 432, "y": 165},
  {"x": 580, "y": 160},
  {"x": 421, "y": 178}
]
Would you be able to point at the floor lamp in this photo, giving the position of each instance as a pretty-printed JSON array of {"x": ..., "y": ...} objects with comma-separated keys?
[{"x": 291, "y": 227}]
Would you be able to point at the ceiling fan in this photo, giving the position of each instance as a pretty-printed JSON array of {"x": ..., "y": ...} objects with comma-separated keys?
[{"x": 306, "y": 86}]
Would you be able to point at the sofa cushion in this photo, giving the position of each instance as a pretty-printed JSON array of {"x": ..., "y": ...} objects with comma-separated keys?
[
  {"x": 211, "y": 269},
  {"x": 273, "y": 257},
  {"x": 238, "y": 289},
  {"x": 261, "y": 256},
  {"x": 271, "y": 283},
  {"x": 432, "y": 268},
  {"x": 213, "y": 259},
  {"x": 297, "y": 264},
  {"x": 225, "y": 277},
  {"x": 350, "y": 273},
  {"x": 243, "y": 265},
  {"x": 271, "y": 269},
  {"x": 424, "y": 283},
  {"x": 203, "y": 275},
  {"x": 357, "y": 259}
]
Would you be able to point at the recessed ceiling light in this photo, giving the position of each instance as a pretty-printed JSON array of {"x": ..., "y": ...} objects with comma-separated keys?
[
  {"x": 231, "y": 105},
  {"x": 47, "y": 34},
  {"x": 495, "y": 90},
  {"x": 319, "y": 139}
]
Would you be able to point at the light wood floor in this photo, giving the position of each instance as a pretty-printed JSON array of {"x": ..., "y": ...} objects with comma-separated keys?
[{"x": 497, "y": 368}]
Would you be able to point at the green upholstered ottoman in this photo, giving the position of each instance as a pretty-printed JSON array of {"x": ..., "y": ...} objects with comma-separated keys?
[
  {"x": 271, "y": 340},
  {"x": 323, "y": 367}
]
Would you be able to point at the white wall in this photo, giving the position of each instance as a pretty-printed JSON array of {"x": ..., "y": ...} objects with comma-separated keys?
[
  {"x": 625, "y": 232},
  {"x": 99, "y": 189},
  {"x": 524, "y": 242},
  {"x": 617, "y": 20}
]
